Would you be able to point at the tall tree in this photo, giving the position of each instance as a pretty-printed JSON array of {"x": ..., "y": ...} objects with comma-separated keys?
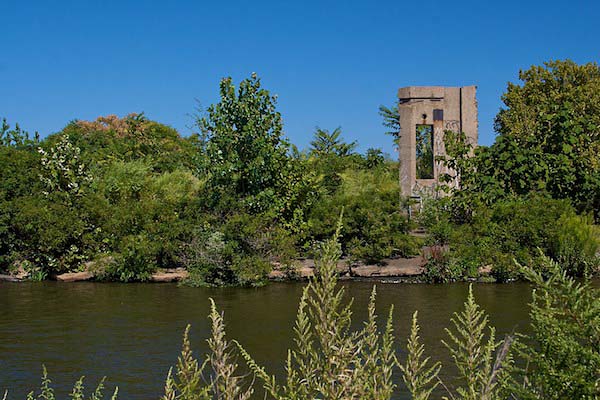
[
  {"x": 244, "y": 152},
  {"x": 391, "y": 119},
  {"x": 16, "y": 137},
  {"x": 327, "y": 143},
  {"x": 550, "y": 128}
]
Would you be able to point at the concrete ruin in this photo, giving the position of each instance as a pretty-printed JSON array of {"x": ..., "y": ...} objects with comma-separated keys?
[{"x": 426, "y": 112}]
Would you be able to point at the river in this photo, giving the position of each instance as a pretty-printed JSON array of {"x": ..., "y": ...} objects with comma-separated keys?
[{"x": 131, "y": 333}]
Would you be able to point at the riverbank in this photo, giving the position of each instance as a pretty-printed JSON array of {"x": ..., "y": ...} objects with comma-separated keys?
[
  {"x": 389, "y": 268},
  {"x": 164, "y": 275},
  {"x": 412, "y": 268}
]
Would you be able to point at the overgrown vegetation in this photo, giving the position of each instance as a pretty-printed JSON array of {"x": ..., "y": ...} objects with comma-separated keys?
[
  {"x": 536, "y": 187},
  {"x": 125, "y": 197}
]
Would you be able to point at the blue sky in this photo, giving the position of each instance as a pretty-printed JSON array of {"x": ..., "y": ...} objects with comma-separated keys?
[{"x": 331, "y": 63}]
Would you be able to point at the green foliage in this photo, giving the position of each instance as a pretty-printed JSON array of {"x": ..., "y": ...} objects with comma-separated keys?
[
  {"x": 34, "y": 273},
  {"x": 513, "y": 228},
  {"x": 244, "y": 152},
  {"x": 50, "y": 234},
  {"x": 375, "y": 227},
  {"x": 374, "y": 158},
  {"x": 132, "y": 138},
  {"x": 391, "y": 119},
  {"x": 472, "y": 346},
  {"x": 238, "y": 252},
  {"x": 330, "y": 156},
  {"x": 191, "y": 382},
  {"x": 135, "y": 260},
  {"x": 436, "y": 218},
  {"x": 208, "y": 257},
  {"x": 326, "y": 144},
  {"x": 549, "y": 138},
  {"x": 418, "y": 374},
  {"x": 62, "y": 170},
  {"x": 158, "y": 211},
  {"x": 18, "y": 179},
  {"x": 576, "y": 244},
  {"x": 548, "y": 143},
  {"x": 441, "y": 268},
  {"x": 424, "y": 152},
  {"x": 16, "y": 137},
  {"x": 47, "y": 392},
  {"x": 564, "y": 357}
]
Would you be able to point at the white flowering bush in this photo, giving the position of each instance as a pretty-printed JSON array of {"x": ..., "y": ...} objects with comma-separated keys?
[{"x": 62, "y": 169}]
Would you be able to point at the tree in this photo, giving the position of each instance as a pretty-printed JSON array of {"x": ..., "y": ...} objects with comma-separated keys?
[
  {"x": 331, "y": 155},
  {"x": 16, "y": 137},
  {"x": 244, "y": 152},
  {"x": 549, "y": 130},
  {"x": 374, "y": 158},
  {"x": 330, "y": 144},
  {"x": 391, "y": 120}
]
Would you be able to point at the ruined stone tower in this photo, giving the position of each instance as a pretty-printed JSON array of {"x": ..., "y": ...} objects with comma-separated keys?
[{"x": 425, "y": 113}]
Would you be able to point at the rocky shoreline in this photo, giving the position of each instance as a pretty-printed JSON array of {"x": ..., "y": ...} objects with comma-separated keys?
[
  {"x": 167, "y": 275},
  {"x": 303, "y": 269},
  {"x": 390, "y": 268}
]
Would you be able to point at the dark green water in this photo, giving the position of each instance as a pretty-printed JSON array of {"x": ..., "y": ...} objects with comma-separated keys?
[{"x": 132, "y": 333}]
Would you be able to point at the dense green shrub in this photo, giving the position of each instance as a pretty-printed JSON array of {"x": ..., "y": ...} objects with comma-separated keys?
[
  {"x": 441, "y": 268},
  {"x": 132, "y": 138},
  {"x": 207, "y": 256},
  {"x": 563, "y": 359},
  {"x": 130, "y": 200},
  {"x": 375, "y": 227},
  {"x": 19, "y": 179},
  {"x": 576, "y": 244},
  {"x": 241, "y": 251},
  {"x": 51, "y": 234},
  {"x": 551, "y": 119},
  {"x": 435, "y": 217},
  {"x": 515, "y": 228},
  {"x": 134, "y": 259}
]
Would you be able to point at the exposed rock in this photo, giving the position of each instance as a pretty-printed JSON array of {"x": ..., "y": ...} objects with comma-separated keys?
[
  {"x": 485, "y": 270},
  {"x": 434, "y": 251},
  {"x": 304, "y": 269},
  {"x": 399, "y": 267},
  {"x": 20, "y": 272},
  {"x": 98, "y": 266},
  {"x": 169, "y": 275},
  {"x": 9, "y": 278},
  {"x": 75, "y": 276}
]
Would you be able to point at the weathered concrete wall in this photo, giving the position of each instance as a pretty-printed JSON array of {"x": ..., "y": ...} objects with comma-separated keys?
[{"x": 416, "y": 106}]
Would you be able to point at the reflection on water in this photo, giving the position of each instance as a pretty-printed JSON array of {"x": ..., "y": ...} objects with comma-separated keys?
[{"x": 132, "y": 333}]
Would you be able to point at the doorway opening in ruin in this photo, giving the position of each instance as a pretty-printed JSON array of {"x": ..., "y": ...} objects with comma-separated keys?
[{"x": 424, "y": 151}]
